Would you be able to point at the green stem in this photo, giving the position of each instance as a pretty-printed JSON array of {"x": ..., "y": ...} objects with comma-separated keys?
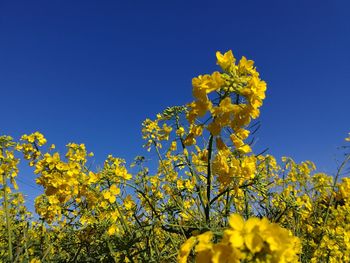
[
  {"x": 7, "y": 216},
  {"x": 26, "y": 242},
  {"x": 193, "y": 173},
  {"x": 333, "y": 187},
  {"x": 166, "y": 170},
  {"x": 125, "y": 225},
  {"x": 207, "y": 207},
  {"x": 227, "y": 205},
  {"x": 111, "y": 251},
  {"x": 246, "y": 204}
]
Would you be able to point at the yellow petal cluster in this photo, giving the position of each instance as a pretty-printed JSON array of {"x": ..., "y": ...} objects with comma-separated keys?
[{"x": 254, "y": 240}]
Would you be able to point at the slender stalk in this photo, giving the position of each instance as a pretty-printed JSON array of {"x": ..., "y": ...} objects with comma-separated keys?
[
  {"x": 167, "y": 171},
  {"x": 227, "y": 205},
  {"x": 7, "y": 216},
  {"x": 111, "y": 251},
  {"x": 125, "y": 225},
  {"x": 246, "y": 204},
  {"x": 26, "y": 242},
  {"x": 75, "y": 257},
  {"x": 207, "y": 207},
  {"x": 193, "y": 174}
]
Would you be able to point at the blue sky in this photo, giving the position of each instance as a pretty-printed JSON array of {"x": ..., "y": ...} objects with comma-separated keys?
[{"x": 92, "y": 71}]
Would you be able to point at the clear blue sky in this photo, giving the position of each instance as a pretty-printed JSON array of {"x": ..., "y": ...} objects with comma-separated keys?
[{"x": 92, "y": 71}]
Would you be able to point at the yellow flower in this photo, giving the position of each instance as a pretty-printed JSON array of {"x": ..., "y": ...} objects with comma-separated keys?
[
  {"x": 245, "y": 65},
  {"x": 128, "y": 202},
  {"x": 189, "y": 185},
  {"x": 186, "y": 249},
  {"x": 202, "y": 85},
  {"x": 114, "y": 189},
  {"x": 235, "y": 235},
  {"x": 225, "y": 61},
  {"x": 173, "y": 146},
  {"x": 224, "y": 253},
  {"x": 252, "y": 229},
  {"x": 93, "y": 177},
  {"x": 204, "y": 247},
  {"x": 242, "y": 133},
  {"x": 112, "y": 230},
  {"x": 247, "y": 233},
  {"x": 180, "y": 132},
  {"x": 108, "y": 196}
]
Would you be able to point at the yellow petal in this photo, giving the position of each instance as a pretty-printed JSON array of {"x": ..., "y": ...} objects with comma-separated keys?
[
  {"x": 114, "y": 190},
  {"x": 236, "y": 222}
]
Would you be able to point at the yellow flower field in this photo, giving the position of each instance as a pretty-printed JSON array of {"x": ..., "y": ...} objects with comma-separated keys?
[{"x": 210, "y": 199}]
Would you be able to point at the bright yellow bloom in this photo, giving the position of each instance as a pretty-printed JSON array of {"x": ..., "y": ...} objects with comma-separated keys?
[
  {"x": 186, "y": 249},
  {"x": 225, "y": 61},
  {"x": 114, "y": 190},
  {"x": 112, "y": 230},
  {"x": 109, "y": 196},
  {"x": 245, "y": 65}
]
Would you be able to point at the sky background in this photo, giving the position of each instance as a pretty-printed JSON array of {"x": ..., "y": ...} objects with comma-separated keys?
[{"x": 91, "y": 71}]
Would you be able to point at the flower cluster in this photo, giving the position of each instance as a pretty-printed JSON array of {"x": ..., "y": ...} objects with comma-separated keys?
[
  {"x": 239, "y": 82},
  {"x": 256, "y": 240}
]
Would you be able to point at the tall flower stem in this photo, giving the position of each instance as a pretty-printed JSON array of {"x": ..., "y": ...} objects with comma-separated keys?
[
  {"x": 7, "y": 216},
  {"x": 207, "y": 208}
]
